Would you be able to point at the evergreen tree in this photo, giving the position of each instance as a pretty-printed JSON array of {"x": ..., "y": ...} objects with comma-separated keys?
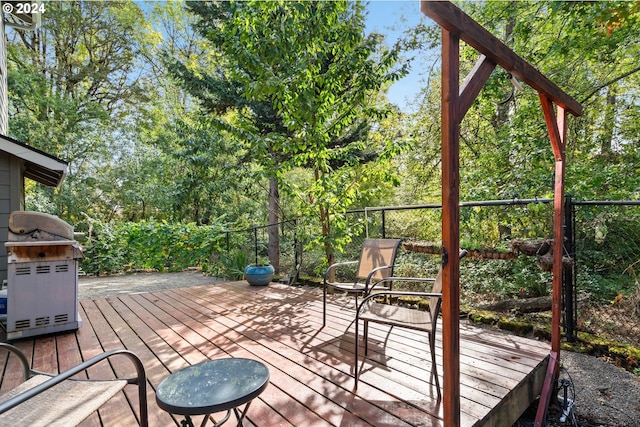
[{"x": 301, "y": 78}]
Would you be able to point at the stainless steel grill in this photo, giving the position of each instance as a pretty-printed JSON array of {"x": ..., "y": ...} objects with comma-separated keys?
[{"x": 42, "y": 285}]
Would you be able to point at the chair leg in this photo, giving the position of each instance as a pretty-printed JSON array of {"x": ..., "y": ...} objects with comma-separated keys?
[
  {"x": 357, "y": 352},
  {"x": 355, "y": 363},
  {"x": 366, "y": 337},
  {"x": 434, "y": 367},
  {"x": 324, "y": 305}
]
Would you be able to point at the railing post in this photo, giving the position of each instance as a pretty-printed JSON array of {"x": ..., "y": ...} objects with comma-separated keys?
[
  {"x": 384, "y": 223},
  {"x": 568, "y": 278},
  {"x": 255, "y": 242},
  {"x": 296, "y": 259}
]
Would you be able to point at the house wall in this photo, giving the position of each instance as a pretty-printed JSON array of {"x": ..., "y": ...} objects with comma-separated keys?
[
  {"x": 5, "y": 208},
  {"x": 10, "y": 200}
]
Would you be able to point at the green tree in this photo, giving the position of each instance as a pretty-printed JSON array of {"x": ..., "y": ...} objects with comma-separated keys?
[
  {"x": 304, "y": 80},
  {"x": 587, "y": 48},
  {"x": 71, "y": 83},
  {"x": 221, "y": 97}
]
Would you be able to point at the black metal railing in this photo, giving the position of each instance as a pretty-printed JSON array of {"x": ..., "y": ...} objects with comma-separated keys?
[{"x": 602, "y": 246}]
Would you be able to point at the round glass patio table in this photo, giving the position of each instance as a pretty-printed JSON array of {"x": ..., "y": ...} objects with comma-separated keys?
[{"x": 213, "y": 386}]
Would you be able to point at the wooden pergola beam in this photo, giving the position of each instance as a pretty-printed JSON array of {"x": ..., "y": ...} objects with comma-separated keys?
[
  {"x": 454, "y": 20},
  {"x": 474, "y": 83}
]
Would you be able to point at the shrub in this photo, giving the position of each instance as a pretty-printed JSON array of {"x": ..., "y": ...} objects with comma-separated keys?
[
  {"x": 231, "y": 265},
  {"x": 150, "y": 245}
]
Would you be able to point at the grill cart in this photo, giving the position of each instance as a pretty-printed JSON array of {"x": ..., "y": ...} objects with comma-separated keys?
[{"x": 42, "y": 270}]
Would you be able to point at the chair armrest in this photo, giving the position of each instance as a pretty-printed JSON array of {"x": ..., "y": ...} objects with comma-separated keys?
[
  {"x": 24, "y": 363},
  {"x": 334, "y": 267},
  {"x": 377, "y": 294},
  {"x": 402, "y": 294},
  {"x": 394, "y": 279},
  {"x": 403, "y": 279},
  {"x": 140, "y": 380},
  {"x": 399, "y": 315},
  {"x": 372, "y": 272},
  {"x": 406, "y": 279}
]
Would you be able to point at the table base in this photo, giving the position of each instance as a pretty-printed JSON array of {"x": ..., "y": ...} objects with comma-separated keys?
[{"x": 187, "y": 422}]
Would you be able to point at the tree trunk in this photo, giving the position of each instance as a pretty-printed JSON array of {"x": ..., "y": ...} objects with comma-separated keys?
[
  {"x": 502, "y": 108},
  {"x": 274, "y": 235},
  {"x": 326, "y": 230},
  {"x": 609, "y": 122}
]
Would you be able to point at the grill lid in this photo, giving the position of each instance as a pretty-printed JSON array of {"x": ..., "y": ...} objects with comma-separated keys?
[{"x": 27, "y": 225}]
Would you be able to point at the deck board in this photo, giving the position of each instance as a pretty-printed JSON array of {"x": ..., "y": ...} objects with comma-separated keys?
[{"x": 311, "y": 367}]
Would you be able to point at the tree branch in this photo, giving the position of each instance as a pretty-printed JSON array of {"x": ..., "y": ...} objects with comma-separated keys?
[{"x": 602, "y": 86}]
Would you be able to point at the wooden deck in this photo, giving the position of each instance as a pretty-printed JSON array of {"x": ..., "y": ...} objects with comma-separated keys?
[{"x": 311, "y": 367}]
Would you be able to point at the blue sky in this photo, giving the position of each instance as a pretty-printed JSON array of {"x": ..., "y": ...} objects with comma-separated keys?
[{"x": 392, "y": 17}]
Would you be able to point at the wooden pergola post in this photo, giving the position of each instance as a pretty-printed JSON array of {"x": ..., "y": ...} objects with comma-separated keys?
[
  {"x": 556, "y": 125},
  {"x": 450, "y": 224},
  {"x": 456, "y": 26}
]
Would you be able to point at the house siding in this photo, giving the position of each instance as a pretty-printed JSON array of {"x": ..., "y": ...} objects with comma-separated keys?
[
  {"x": 5, "y": 209},
  {"x": 6, "y": 180}
]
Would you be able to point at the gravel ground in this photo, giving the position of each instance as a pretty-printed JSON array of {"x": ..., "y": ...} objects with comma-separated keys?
[{"x": 604, "y": 394}]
